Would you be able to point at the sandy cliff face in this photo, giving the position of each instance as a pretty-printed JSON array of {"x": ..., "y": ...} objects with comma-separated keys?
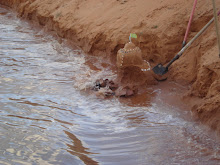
[{"x": 102, "y": 27}]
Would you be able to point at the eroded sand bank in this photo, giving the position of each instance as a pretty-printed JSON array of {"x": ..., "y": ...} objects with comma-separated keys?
[{"x": 101, "y": 28}]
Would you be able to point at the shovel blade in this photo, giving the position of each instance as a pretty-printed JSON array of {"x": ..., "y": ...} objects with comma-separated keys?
[{"x": 160, "y": 70}]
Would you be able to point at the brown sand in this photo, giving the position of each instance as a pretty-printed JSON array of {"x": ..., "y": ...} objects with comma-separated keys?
[{"x": 102, "y": 27}]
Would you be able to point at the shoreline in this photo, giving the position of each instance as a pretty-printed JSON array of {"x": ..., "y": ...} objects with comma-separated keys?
[{"x": 102, "y": 28}]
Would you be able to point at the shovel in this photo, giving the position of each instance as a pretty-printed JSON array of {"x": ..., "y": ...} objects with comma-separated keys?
[{"x": 161, "y": 70}]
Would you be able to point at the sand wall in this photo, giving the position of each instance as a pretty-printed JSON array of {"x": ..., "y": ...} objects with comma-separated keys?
[{"x": 101, "y": 28}]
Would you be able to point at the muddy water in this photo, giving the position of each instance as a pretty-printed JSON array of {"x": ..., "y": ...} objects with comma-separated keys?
[{"x": 45, "y": 118}]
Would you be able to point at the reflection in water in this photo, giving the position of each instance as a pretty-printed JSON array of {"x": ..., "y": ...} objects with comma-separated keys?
[
  {"x": 77, "y": 149},
  {"x": 47, "y": 118}
]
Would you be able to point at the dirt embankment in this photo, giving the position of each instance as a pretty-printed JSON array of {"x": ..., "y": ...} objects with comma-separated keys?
[{"x": 101, "y": 28}]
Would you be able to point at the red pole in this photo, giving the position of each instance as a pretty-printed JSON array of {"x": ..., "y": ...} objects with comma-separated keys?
[{"x": 189, "y": 23}]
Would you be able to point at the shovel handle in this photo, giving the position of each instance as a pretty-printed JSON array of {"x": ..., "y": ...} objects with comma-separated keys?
[
  {"x": 174, "y": 59},
  {"x": 196, "y": 36},
  {"x": 191, "y": 41}
]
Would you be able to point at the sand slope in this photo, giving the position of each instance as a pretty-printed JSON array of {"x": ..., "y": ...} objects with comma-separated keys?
[{"x": 102, "y": 27}]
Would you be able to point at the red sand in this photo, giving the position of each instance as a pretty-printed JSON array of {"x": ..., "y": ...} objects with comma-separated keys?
[{"x": 102, "y": 27}]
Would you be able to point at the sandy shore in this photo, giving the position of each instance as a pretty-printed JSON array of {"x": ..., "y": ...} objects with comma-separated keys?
[{"x": 101, "y": 28}]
